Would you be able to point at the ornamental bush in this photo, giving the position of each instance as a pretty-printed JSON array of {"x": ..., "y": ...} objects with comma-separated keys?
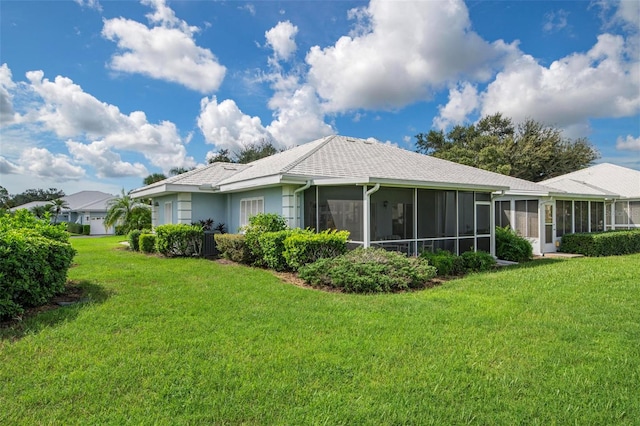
[
  {"x": 477, "y": 261},
  {"x": 147, "y": 243},
  {"x": 86, "y": 229},
  {"x": 74, "y": 228},
  {"x": 258, "y": 225},
  {"x": 306, "y": 247},
  {"x": 34, "y": 259},
  {"x": 132, "y": 238},
  {"x": 370, "y": 270},
  {"x": 511, "y": 246},
  {"x": 272, "y": 246},
  {"x": 608, "y": 243},
  {"x": 232, "y": 247},
  {"x": 179, "y": 240},
  {"x": 445, "y": 262}
]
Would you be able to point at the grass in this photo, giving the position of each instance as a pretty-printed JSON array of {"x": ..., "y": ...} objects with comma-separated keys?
[{"x": 189, "y": 341}]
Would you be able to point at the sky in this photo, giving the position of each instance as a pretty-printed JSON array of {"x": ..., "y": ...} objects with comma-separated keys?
[{"x": 98, "y": 94}]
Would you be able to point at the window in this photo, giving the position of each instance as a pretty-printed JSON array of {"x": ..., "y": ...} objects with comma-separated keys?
[
  {"x": 436, "y": 213},
  {"x": 622, "y": 213},
  {"x": 168, "y": 212},
  {"x": 581, "y": 215},
  {"x": 634, "y": 212},
  {"x": 250, "y": 207},
  {"x": 564, "y": 217},
  {"x": 527, "y": 218},
  {"x": 341, "y": 208},
  {"x": 503, "y": 213},
  {"x": 465, "y": 214},
  {"x": 597, "y": 216},
  {"x": 392, "y": 214}
]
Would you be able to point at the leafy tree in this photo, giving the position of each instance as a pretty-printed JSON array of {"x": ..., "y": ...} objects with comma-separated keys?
[
  {"x": 34, "y": 195},
  {"x": 56, "y": 206},
  {"x": 128, "y": 213},
  {"x": 247, "y": 154},
  {"x": 530, "y": 150},
  {"x": 180, "y": 170},
  {"x": 4, "y": 198},
  {"x": 153, "y": 178}
]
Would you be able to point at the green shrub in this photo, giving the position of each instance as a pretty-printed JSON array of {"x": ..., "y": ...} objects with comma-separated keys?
[
  {"x": 86, "y": 229},
  {"x": 370, "y": 270},
  {"x": 74, "y": 228},
  {"x": 34, "y": 259},
  {"x": 121, "y": 229},
  {"x": 477, "y": 261},
  {"x": 179, "y": 240},
  {"x": 445, "y": 262},
  {"x": 258, "y": 225},
  {"x": 272, "y": 246},
  {"x": 608, "y": 243},
  {"x": 232, "y": 247},
  {"x": 306, "y": 247},
  {"x": 147, "y": 243},
  {"x": 511, "y": 246},
  {"x": 133, "y": 238}
]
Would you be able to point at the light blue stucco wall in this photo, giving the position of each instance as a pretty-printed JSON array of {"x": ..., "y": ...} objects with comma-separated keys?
[
  {"x": 209, "y": 206},
  {"x": 272, "y": 204},
  {"x": 161, "y": 220}
]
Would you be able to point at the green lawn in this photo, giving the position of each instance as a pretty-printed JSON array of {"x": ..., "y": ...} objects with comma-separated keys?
[{"x": 189, "y": 341}]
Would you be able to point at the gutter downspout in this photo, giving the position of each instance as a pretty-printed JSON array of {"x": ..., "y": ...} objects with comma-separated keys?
[
  {"x": 367, "y": 215},
  {"x": 295, "y": 203}
]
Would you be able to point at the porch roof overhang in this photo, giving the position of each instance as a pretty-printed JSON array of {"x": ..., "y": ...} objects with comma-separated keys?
[
  {"x": 599, "y": 197},
  {"x": 168, "y": 189},
  {"x": 407, "y": 184}
]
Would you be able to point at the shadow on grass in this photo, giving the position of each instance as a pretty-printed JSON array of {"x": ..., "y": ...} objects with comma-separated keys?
[
  {"x": 62, "y": 308},
  {"x": 531, "y": 264}
]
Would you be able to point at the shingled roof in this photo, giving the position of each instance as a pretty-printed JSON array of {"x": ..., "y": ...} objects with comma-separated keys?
[{"x": 605, "y": 178}]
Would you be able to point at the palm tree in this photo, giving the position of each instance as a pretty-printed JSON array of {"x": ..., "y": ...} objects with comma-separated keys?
[
  {"x": 126, "y": 211},
  {"x": 56, "y": 206},
  {"x": 41, "y": 210}
]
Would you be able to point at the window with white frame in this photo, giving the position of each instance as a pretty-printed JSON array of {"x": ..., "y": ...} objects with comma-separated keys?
[
  {"x": 527, "y": 218},
  {"x": 250, "y": 207}
]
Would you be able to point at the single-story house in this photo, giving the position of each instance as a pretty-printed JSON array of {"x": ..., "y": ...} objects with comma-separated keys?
[
  {"x": 85, "y": 208},
  {"x": 383, "y": 195}
]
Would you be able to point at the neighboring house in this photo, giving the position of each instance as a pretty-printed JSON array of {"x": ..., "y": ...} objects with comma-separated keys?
[
  {"x": 385, "y": 196},
  {"x": 85, "y": 208}
]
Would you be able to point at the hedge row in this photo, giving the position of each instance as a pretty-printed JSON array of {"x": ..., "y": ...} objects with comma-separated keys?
[
  {"x": 449, "y": 264},
  {"x": 34, "y": 259},
  {"x": 608, "y": 243},
  {"x": 179, "y": 240},
  {"x": 511, "y": 246}
]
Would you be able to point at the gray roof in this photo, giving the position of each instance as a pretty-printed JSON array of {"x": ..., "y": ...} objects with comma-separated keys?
[
  {"x": 339, "y": 157},
  {"x": 605, "y": 178},
  {"x": 79, "y": 201}
]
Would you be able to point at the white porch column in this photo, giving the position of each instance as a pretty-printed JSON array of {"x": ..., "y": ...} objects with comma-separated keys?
[
  {"x": 184, "y": 207},
  {"x": 288, "y": 209},
  {"x": 154, "y": 213}
]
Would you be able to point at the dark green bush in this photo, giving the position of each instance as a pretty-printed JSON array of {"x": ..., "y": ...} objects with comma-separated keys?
[
  {"x": 74, "y": 228},
  {"x": 306, "y": 247},
  {"x": 121, "y": 229},
  {"x": 86, "y": 229},
  {"x": 258, "y": 225},
  {"x": 370, "y": 270},
  {"x": 232, "y": 247},
  {"x": 133, "y": 238},
  {"x": 34, "y": 259},
  {"x": 477, "y": 261},
  {"x": 445, "y": 262},
  {"x": 147, "y": 243},
  {"x": 272, "y": 246},
  {"x": 511, "y": 246},
  {"x": 610, "y": 243},
  {"x": 179, "y": 240}
]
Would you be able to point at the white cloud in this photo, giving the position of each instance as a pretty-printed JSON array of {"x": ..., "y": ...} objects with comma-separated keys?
[
  {"x": 42, "y": 163},
  {"x": 599, "y": 83},
  {"x": 404, "y": 52},
  {"x": 7, "y": 114},
  {"x": 628, "y": 144},
  {"x": 91, "y": 4},
  {"x": 107, "y": 163},
  {"x": 249, "y": 8},
  {"x": 555, "y": 21},
  {"x": 167, "y": 51},
  {"x": 625, "y": 13},
  {"x": 463, "y": 100},
  {"x": 282, "y": 39},
  {"x": 7, "y": 167},
  {"x": 68, "y": 111}
]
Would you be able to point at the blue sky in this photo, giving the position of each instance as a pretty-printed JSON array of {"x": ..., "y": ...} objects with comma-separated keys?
[{"x": 97, "y": 94}]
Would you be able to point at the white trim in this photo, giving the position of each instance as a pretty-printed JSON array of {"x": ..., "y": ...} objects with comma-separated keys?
[{"x": 256, "y": 206}]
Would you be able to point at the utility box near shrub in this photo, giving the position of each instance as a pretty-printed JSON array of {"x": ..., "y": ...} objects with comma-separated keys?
[{"x": 209, "y": 248}]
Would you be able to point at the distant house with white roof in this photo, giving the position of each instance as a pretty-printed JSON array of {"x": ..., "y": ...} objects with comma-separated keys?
[
  {"x": 85, "y": 208},
  {"x": 385, "y": 196}
]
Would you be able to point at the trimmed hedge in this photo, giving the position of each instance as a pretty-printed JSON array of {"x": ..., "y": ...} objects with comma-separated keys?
[
  {"x": 258, "y": 225},
  {"x": 477, "y": 261},
  {"x": 74, "y": 228},
  {"x": 272, "y": 246},
  {"x": 34, "y": 259},
  {"x": 147, "y": 243},
  {"x": 133, "y": 239},
  {"x": 610, "y": 243},
  {"x": 445, "y": 262},
  {"x": 233, "y": 247},
  {"x": 306, "y": 247},
  {"x": 86, "y": 229},
  {"x": 511, "y": 246},
  {"x": 179, "y": 240},
  {"x": 370, "y": 270}
]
